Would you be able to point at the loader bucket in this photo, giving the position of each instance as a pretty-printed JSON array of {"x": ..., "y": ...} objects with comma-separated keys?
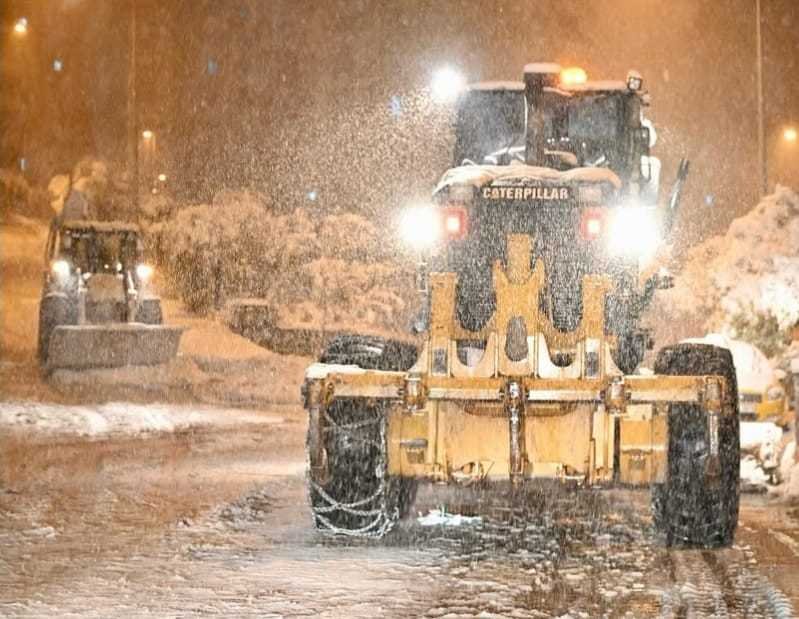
[{"x": 111, "y": 345}]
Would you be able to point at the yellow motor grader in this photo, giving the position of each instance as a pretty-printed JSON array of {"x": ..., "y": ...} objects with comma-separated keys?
[{"x": 530, "y": 336}]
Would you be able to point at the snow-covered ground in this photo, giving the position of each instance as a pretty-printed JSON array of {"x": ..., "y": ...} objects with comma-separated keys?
[{"x": 121, "y": 418}]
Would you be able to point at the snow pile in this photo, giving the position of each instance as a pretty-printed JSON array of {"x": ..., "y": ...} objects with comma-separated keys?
[
  {"x": 760, "y": 449},
  {"x": 332, "y": 269},
  {"x": 440, "y": 518},
  {"x": 753, "y": 475},
  {"x": 117, "y": 418},
  {"x": 755, "y": 435},
  {"x": 752, "y": 268}
]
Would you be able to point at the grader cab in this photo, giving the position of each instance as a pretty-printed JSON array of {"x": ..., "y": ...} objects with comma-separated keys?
[{"x": 531, "y": 336}]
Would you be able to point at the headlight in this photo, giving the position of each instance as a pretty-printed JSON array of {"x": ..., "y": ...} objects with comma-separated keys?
[
  {"x": 775, "y": 393},
  {"x": 633, "y": 231},
  {"x": 420, "y": 226},
  {"x": 61, "y": 269},
  {"x": 144, "y": 271}
]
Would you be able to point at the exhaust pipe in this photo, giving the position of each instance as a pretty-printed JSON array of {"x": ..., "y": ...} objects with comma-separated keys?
[{"x": 537, "y": 76}]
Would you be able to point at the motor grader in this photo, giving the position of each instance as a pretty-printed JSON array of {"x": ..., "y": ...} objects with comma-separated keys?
[{"x": 530, "y": 339}]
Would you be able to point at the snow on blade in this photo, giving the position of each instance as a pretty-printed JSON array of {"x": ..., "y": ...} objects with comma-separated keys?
[{"x": 322, "y": 370}]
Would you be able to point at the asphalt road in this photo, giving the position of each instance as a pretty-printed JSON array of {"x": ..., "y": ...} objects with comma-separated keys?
[{"x": 215, "y": 522}]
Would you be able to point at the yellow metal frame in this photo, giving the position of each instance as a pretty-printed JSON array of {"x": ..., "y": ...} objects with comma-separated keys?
[{"x": 527, "y": 418}]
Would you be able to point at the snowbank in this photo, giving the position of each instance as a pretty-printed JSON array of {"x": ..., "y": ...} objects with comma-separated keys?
[
  {"x": 753, "y": 267},
  {"x": 753, "y": 476},
  {"x": 120, "y": 418},
  {"x": 760, "y": 449}
]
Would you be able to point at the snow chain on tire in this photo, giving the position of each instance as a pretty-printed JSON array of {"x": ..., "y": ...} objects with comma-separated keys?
[
  {"x": 360, "y": 499},
  {"x": 349, "y": 513}
]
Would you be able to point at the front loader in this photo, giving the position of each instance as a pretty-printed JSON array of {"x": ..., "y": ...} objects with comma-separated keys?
[
  {"x": 98, "y": 308},
  {"x": 530, "y": 341}
]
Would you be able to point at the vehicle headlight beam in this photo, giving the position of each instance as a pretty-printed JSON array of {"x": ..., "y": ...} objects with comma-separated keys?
[{"x": 634, "y": 232}]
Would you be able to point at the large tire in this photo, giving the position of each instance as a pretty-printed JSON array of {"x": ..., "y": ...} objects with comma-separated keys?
[
  {"x": 54, "y": 310},
  {"x": 358, "y": 498},
  {"x": 370, "y": 353},
  {"x": 693, "y": 508}
]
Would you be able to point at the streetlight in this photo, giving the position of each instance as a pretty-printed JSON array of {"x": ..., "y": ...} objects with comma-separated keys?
[
  {"x": 21, "y": 26},
  {"x": 21, "y": 30},
  {"x": 147, "y": 134},
  {"x": 790, "y": 134}
]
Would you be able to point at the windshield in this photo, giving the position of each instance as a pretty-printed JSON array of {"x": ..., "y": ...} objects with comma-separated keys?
[
  {"x": 95, "y": 252},
  {"x": 488, "y": 122},
  {"x": 490, "y": 129},
  {"x": 592, "y": 128}
]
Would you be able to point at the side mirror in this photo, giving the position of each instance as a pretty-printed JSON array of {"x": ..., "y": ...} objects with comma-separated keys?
[{"x": 676, "y": 192}]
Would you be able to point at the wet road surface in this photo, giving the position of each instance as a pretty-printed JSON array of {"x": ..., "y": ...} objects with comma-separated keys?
[{"x": 216, "y": 523}]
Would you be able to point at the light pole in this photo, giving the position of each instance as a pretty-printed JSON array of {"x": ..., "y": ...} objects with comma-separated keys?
[
  {"x": 20, "y": 30},
  {"x": 133, "y": 121},
  {"x": 146, "y": 157},
  {"x": 761, "y": 131}
]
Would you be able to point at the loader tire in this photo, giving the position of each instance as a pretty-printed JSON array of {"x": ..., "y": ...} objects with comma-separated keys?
[
  {"x": 692, "y": 508},
  {"x": 53, "y": 311},
  {"x": 370, "y": 353},
  {"x": 359, "y": 498}
]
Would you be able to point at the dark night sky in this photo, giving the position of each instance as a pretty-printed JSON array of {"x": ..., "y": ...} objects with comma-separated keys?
[{"x": 290, "y": 96}]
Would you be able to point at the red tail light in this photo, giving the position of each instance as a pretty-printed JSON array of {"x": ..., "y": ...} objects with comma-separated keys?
[
  {"x": 455, "y": 223},
  {"x": 592, "y": 224}
]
